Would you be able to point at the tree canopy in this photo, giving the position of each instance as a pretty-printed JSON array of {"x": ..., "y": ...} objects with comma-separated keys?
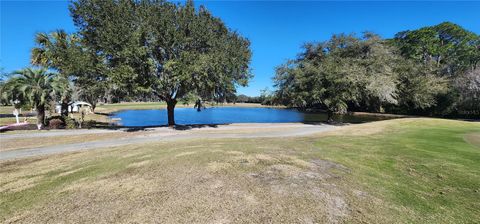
[
  {"x": 344, "y": 71},
  {"x": 448, "y": 51},
  {"x": 171, "y": 50},
  {"x": 448, "y": 46},
  {"x": 425, "y": 71},
  {"x": 36, "y": 87},
  {"x": 59, "y": 51}
]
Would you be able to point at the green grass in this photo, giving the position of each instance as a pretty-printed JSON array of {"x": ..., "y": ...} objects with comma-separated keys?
[
  {"x": 131, "y": 106},
  {"x": 411, "y": 170},
  {"x": 6, "y": 109},
  {"x": 7, "y": 120},
  {"x": 423, "y": 165},
  {"x": 108, "y": 108}
]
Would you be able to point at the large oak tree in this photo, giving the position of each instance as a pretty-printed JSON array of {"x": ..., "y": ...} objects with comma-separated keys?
[
  {"x": 339, "y": 73},
  {"x": 430, "y": 71},
  {"x": 449, "y": 51},
  {"x": 171, "y": 50}
]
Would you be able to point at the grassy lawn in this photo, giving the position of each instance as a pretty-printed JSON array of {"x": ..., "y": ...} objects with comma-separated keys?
[
  {"x": 109, "y": 108},
  {"x": 6, "y": 109},
  {"x": 425, "y": 167},
  {"x": 8, "y": 120},
  {"x": 396, "y": 171}
]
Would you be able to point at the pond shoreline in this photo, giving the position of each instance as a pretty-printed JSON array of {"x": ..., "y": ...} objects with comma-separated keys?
[{"x": 232, "y": 114}]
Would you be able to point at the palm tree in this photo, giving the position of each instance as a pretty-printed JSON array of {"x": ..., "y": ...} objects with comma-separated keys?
[
  {"x": 57, "y": 50},
  {"x": 38, "y": 86},
  {"x": 5, "y": 93}
]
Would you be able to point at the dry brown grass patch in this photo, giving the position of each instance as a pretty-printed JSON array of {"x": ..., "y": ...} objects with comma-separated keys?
[
  {"x": 185, "y": 154},
  {"x": 218, "y": 166},
  {"x": 473, "y": 138},
  {"x": 161, "y": 183},
  {"x": 20, "y": 184}
]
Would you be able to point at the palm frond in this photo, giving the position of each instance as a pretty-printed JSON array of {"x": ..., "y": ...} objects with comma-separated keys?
[
  {"x": 42, "y": 39},
  {"x": 35, "y": 85}
]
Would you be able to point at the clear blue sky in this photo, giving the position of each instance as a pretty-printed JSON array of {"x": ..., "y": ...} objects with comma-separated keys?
[{"x": 275, "y": 29}]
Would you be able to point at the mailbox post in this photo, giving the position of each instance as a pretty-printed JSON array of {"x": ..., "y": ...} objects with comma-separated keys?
[{"x": 15, "y": 111}]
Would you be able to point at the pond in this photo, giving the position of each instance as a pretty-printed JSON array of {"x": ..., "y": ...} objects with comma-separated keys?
[{"x": 227, "y": 115}]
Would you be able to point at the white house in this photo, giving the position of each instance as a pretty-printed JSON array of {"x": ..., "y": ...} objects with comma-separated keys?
[{"x": 75, "y": 107}]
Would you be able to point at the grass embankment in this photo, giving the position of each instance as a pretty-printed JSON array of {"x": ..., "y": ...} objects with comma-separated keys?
[{"x": 404, "y": 170}]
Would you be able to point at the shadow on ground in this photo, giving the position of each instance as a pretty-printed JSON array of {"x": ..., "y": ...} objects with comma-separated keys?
[{"x": 176, "y": 127}]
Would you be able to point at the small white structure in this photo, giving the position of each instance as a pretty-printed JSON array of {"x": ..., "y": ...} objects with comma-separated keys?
[
  {"x": 75, "y": 107},
  {"x": 16, "y": 113}
]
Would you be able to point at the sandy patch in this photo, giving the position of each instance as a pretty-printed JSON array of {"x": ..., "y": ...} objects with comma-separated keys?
[{"x": 473, "y": 138}]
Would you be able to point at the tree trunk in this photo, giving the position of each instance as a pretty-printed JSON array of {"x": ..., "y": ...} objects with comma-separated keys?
[
  {"x": 40, "y": 116},
  {"x": 329, "y": 116},
  {"x": 198, "y": 105},
  {"x": 64, "y": 108},
  {"x": 92, "y": 102},
  {"x": 171, "y": 112}
]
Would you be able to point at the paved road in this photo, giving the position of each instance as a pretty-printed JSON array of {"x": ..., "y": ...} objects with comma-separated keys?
[{"x": 162, "y": 134}]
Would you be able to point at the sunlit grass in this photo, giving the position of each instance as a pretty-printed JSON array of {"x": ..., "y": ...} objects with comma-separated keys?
[{"x": 424, "y": 165}]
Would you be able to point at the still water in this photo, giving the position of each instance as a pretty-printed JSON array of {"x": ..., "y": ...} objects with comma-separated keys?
[{"x": 227, "y": 115}]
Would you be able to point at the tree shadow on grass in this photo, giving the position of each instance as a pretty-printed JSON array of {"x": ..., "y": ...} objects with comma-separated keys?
[
  {"x": 147, "y": 128},
  {"x": 326, "y": 123},
  {"x": 110, "y": 126}
]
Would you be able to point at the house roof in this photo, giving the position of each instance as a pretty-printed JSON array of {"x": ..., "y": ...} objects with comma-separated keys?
[{"x": 81, "y": 103}]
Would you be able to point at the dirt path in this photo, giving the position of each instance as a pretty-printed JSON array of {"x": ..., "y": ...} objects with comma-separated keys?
[{"x": 160, "y": 134}]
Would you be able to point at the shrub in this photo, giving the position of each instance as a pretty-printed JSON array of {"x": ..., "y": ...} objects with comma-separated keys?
[
  {"x": 70, "y": 123},
  {"x": 89, "y": 124},
  {"x": 54, "y": 117},
  {"x": 55, "y": 123}
]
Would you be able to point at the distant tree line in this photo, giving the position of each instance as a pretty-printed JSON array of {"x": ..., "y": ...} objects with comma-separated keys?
[
  {"x": 242, "y": 98},
  {"x": 430, "y": 71},
  {"x": 266, "y": 97}
]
